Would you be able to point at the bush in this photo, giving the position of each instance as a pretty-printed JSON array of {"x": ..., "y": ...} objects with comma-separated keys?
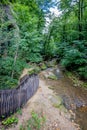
[
  {"x": 6, "y": 68},
  {"x": 30, "y": 35},
  {"x": 83, "y": 72},
  {"x": 50, "y": 48},
  {"x": 73, "y": 56}
]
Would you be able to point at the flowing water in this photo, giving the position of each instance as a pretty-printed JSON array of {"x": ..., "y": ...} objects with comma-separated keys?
[{"x": 74, "y": 98}]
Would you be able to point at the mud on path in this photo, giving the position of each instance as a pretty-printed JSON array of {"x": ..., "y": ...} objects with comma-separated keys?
[{"x": 45, "y": 101}]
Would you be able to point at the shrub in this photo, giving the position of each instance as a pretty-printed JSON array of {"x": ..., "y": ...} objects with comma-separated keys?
[
  {"x": 83, "y": 71},
  {"x": 9, "y": 121},
  {"x": 6, "y": 68},
  {"x": 73, "y": 56}
]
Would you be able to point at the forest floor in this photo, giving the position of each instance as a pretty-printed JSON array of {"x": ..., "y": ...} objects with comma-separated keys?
[{"x": 46, "y": 104}]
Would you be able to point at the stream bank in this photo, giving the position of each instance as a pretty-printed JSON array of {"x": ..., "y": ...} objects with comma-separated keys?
[{"x": 74, "y": 98}]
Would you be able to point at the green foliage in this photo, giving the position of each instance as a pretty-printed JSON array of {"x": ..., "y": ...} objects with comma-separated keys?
[
  {"x": 6, "y": 68},
  {"x": 53, "y": 77},
  {"x": 43, "y": 66},
  {"x": 30, "y": 42},
  {"x": 35, "y": 122},
  {"x": 74, "y": 57},
  {"x": 34, "y": 70},
  {"x": 9, "y": 121},
  {"x": 83, "y": 71},
  {"x": 19, "y": 111},
  {"x": 70, "y": 36},
  {"x": 4, "y": 1},
  {"x": 30, "y": 47},
  {"x": 20, "y": 39},
  {"x": 75, "y": 79},
  {"x": 6, "y": 65},
  {"x": 50, "y": 47},
  {"x": 6, "y": 82}
]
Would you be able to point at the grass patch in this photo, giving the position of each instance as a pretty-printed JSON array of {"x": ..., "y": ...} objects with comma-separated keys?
[{"x": 9, "y": 121}]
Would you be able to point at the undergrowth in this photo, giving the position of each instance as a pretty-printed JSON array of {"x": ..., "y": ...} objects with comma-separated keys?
[{"x": 36, "y": 122}]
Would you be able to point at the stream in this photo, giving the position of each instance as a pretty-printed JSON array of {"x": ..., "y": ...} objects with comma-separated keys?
[{"x": 74, "y": 98}]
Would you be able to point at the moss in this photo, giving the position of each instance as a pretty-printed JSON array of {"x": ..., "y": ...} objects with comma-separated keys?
[
  {"x": 60, "y": 107},
  {"x": 43, "y": 66},
  {"x": 53, "y": 77},
  {"x": 31, "y": 71},
  {"x": 35, "y": 70},
  {"x": 57, "y": 105}
]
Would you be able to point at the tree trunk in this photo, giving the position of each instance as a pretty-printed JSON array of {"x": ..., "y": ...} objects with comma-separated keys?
[
  {"x": 17, "y": 48},
  {"x": 80, "y": 18},
  {"x": 17, "y": 37}
]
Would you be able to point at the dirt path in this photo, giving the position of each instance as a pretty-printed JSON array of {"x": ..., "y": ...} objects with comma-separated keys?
[{"x": 43, "y": 102}]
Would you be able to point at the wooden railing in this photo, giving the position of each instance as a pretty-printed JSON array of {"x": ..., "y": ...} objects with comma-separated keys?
[{"x": 13, "y": 99}]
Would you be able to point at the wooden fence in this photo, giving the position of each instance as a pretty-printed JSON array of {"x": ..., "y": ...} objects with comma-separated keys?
[{"x": 13, "y": 99}]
